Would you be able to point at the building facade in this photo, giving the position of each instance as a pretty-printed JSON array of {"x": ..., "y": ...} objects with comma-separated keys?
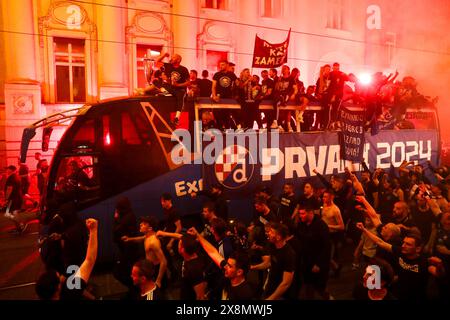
[{"x": 59, "y": 55}]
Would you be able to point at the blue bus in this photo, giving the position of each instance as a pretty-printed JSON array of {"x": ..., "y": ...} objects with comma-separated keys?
[{"x": 122, "y": 147}]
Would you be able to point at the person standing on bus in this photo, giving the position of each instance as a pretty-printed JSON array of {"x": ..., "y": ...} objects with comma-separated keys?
[
  {"x": 179, "y": 80},
  {"x": 222, "y": 88}
]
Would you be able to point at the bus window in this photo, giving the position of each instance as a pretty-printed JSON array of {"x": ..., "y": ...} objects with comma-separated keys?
[
  {"x": 85, "y": 134},
  {"x": 143, "y": 126},
  {"x": 77, "y": 177},
  {"x": 130, "y": 134}
]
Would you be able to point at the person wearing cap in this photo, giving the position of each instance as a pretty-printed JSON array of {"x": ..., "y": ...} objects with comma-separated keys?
[
  {"x": 152, "y": 245},
  {"x": 13, "y": 197}
]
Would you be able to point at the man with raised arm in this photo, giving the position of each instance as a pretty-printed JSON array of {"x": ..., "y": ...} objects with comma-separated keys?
[
  {"x": 179, "y": 79},
  {"x": 410, "y": 263},
  {"x": 53, "y": 286},
  {"x": 235, "y": 269}
]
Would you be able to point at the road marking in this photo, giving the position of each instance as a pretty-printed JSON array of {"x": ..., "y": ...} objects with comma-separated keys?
[
  {"x": 21, "y": 265},
  {"x": 18, "y": 286}
]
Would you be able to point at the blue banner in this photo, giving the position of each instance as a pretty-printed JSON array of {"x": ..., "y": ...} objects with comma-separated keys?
[{"x": 240, "y": 169}]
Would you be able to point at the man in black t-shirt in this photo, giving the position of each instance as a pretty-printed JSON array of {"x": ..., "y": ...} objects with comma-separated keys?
[
  {"x": 215, "y": 194},
  {"x": 285, "y": 91},
  {"x": 234, "y": 268},
  {"x": 179, "y": 79},
  {"x": 288, "y": 202},
  {"x": 223, "y": 83},
  {"x": 171, "y": 223},
  {"x": 142, "y": 275},
  {"x": 443, "y": 252},
  {"x": 222, "y": 88},
  {"x": 263, "y": 214},
  {"x": 335, "y": 91},
  {"x": 53, "y": 286},
  {"x": 315, "y": 253},
  {"x": 193, "y": 282},
  {"x": 281, "y": 265},
  {"x": 424, "y": 219},
  {"x": 205, "y": 85},
  {"x": 410, "y": 264},
  {"x": 307, "y": 199},
  {"x": 194, "y": 83}
]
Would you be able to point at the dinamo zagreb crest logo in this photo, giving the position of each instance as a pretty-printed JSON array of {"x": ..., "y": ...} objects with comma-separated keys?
[{"x": 233, "y": 167}]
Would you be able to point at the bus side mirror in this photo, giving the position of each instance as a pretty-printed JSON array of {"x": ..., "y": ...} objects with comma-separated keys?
[
  {"x": 46, "y": 133},
  {"x": 27, "y": 135}
]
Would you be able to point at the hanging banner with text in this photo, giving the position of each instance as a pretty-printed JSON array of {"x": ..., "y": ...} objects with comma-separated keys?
[
  {"x": 351, "y": 138},
  {"x": 244, "y": 165},
  {"x": 268, "y": 55}
]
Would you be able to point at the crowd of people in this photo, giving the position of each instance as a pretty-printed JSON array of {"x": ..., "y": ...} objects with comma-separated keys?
[
  {"x": 15, "y": 190},
  {"x": 397, "y": 223},
  {"x": 384, "y": 99}
]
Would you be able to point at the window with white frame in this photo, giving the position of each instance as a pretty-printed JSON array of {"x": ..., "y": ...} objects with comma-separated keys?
[
  {"x": 271, "y": 8},
  {"x": 145, "y": 51},
  {"x": 70, "y": 69},
  {"x": 336, "y": 14},
  {"x": 215, "y": 4}
]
